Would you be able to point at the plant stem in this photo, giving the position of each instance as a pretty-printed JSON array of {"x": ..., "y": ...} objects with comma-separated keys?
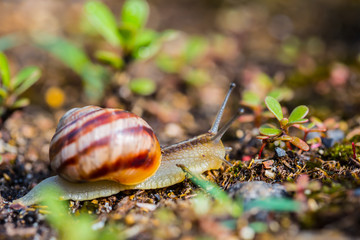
[
  {"x": 262, "y": 148},
  {"x": 354, "y": 150}
]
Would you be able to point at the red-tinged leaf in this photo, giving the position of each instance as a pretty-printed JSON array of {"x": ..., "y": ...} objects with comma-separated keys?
[
  {"x": 269, "y": 130},
  {"x": 318, "y": 130},
  {"x": 303, "y": 120},
  {"x": 299, "y": 143},
  {"x": 262, "y": 137},
  {"x": 298, "y": 114},
  {"x": 284, "y": 138},
  {"x": 274, "y": 106}
]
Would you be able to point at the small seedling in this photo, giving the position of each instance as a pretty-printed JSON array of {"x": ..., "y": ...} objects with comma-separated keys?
[
  {"x": 261, "y": 86},
  {"x": 271, "y": 133},
  {"x": 12, "y": 88},
  {"x": 129, "y": 35},
  {"x": 185, "y": 60}
]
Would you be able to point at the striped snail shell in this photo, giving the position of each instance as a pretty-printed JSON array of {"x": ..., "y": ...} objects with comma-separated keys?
[{"x": 93, "y": 143}]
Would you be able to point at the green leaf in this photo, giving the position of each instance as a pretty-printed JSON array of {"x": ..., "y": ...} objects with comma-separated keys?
[
  {"x": 100, "y": 16},
  {"x": 142, "y": 86},
  {"x": 269, "y": 130},
  {"x": 251, "y": 98},
  {"x": 284, "y": 138},
  {"x": 263, "y": 81},
  {"x": 195, "y": 47},
  {"x": 23, "y": 102},
  {"x": 169, "y": 64},
  {"x": 274, "y": 106},
  {"x": 110, "y": 58},
  {"x": 298, "y": 114},
  {"x": 299, "y": 143},
  {"x": 3, "y": 93},
  {"x": 196, "y": 77},
  {"x": 258, "y": 227},
  {"x": 4, "y": 70},
  {"x": 135, "y": 13},
  {"x": 94, "y": 79},
  {"x": 70, "y": 54},
  {"x": 24, "y": 74},
  {"x": 32, "y": 77},
  {"x": 274, "y": 204},
  {"x": 304, "y": 120},
  {"x": 280, "y": 94},
  {"x": 146, "y": 44}
]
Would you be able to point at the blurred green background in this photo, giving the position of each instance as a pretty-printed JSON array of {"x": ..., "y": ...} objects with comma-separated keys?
[{"x": 312, "y": 47}]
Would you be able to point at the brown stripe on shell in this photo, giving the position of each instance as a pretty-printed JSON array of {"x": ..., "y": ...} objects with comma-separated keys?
[
  {"x": 74, "y": 116},
  {"x": 138, "y": 160},
  {"x": 146, "y": 159},
  {"x": 88, "y": 126}
]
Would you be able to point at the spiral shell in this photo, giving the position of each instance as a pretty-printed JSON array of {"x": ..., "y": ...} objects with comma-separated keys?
[{"x": 93, "y": 143}]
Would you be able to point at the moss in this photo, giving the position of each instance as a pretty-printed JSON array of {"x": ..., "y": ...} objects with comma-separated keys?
[{"x": 339, "y": 152}]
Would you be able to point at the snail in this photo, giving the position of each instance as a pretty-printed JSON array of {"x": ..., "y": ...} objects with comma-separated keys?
[{"x": 98, "y": 152}]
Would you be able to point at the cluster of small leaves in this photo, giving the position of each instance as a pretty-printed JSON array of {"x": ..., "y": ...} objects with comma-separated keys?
[
  {"x": 135, "y": 41},
  {"x": 271, "y": 133},
  {"x": 130, "y": 36},
  {"x": 184, "y": 61},
  {"x": 12, "y": 87},
  {"x": 263, "y": 86}
]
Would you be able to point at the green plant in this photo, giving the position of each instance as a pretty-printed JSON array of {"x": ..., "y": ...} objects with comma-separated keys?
[
  {"x": 94, "y": 76},
  {"x": 184, "y": 59},
  {"x": 271, "y": 133},
  {"x": 253, "y": 97},
  {"x": 12, "y": 87},
  {"x": 130, "y": 35}
]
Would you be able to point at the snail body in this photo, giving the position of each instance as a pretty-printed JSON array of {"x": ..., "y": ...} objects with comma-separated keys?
[{"x": 98, "y": 152}]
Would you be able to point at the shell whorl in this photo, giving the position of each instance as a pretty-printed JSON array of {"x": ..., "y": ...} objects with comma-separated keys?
[{"x": 93, "y": 143}]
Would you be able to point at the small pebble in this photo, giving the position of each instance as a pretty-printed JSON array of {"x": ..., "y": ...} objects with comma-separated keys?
[
  {"x": 98, "y": 225},
  {"x": 357, "y": 192},
  {"x": 270, "y": 174},
  {"x": 279, "y": 152},
  {"x": 333, "y": 136},
  {"x": 250, "y": 191},
  {"x": 337, "y": 135},
  {"x": 247, "y": 233}
]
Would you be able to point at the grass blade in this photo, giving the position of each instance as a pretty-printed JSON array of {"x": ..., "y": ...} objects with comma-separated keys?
[
  {"x": 4, "y": 70},
  {"x": 23, "y": 75},
  {"x": 26, "y": 78}
]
